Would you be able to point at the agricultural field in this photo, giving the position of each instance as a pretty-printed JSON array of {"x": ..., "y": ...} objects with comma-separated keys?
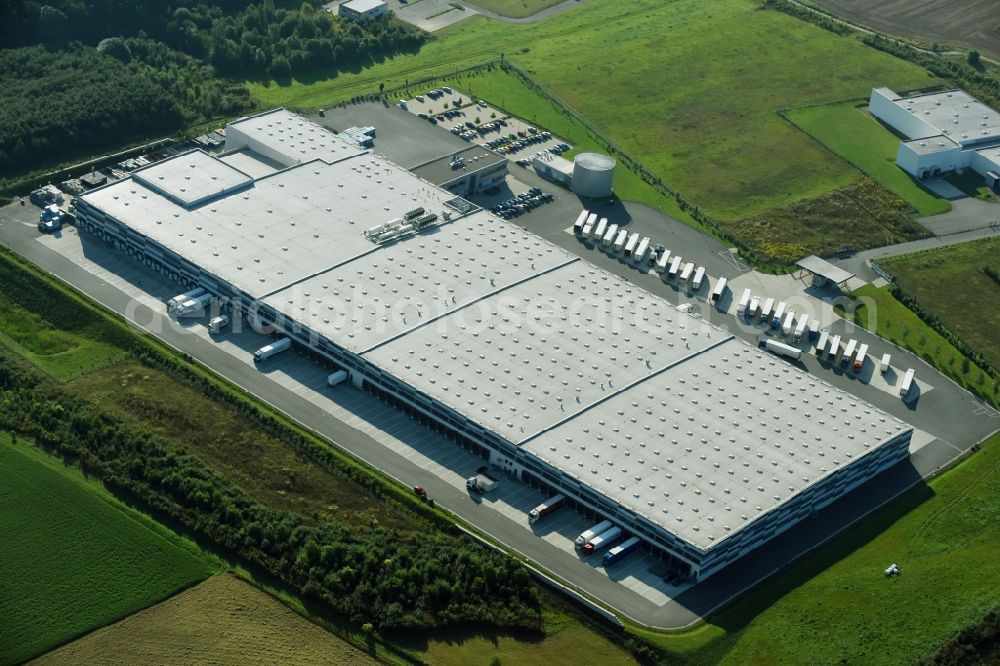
[
  {"x": 952, "y": 283},
  {"x": 515, "y": 8},
  {"x": 971, "y": 23},
  {"x": 223, "y": 620},
  {"x": 850, "y": 132},
  {"x": 878, "y": 310},
  {"x": 836, "y": 606},
  {"x": 74, "y": 557},
  {"x": 574, "y": 644},
  {"x": 268, "y": 469}
]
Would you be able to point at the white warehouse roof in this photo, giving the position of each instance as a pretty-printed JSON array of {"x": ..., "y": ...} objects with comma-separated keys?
[{"x": 661, "y": 412}]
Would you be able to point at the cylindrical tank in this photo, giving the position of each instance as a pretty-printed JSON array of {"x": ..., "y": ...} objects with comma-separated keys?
[{"x": 593, "y": 175}]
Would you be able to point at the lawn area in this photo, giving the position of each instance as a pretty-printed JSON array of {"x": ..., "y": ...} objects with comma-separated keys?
[
  {"x": 74, "y": 557},
  {"x": 849, "y": 131},
  {"x": 951, "y": 283},
  {"x": 835, "y": 605},
  {"x": 515, "y": 8},
  {"x": 879, "y": 310}
]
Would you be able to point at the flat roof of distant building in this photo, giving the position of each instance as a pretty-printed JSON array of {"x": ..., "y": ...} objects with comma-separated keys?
[
  {"x": 296, "y": 139},
  {"x": 954, "y": 113},
  {"x": 191, "y": 178},
  {"x": 474, "y": 158},
  {"x": 362, "y": 6},
  {"x": 931, "y": 144}
]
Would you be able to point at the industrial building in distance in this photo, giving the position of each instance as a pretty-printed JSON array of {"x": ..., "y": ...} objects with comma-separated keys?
[
  {"x": 945, "y": 131},
  {"x": 560, "y": 373}
]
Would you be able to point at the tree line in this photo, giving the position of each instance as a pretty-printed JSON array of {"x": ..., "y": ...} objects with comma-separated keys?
[{"x": 390, "y": 579}]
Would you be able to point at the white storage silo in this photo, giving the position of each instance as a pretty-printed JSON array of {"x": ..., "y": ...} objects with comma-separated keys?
[{"x": 593, "y": 175}]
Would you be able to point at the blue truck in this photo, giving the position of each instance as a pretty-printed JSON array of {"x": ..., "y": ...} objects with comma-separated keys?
[{"x": 620, "y": 551}]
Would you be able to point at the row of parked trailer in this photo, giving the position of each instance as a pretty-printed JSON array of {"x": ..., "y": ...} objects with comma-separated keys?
[
  {"x": 640, "y": 251},
  {"x": 851, "y": 355},
  {"x": 602, "y": 535}
]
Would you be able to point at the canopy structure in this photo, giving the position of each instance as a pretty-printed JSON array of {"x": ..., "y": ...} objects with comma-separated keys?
[{"x": 823, "y": 271}]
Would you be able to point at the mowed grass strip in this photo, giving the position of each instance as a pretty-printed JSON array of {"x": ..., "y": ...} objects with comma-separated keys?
[
  {"x": 74, "y": 557},
  {"x": 880, "y": 312},
  {"x": 849, "y": 131},
  {"x": 224, "y": 620},
  {"x": 952, "y": 283}
]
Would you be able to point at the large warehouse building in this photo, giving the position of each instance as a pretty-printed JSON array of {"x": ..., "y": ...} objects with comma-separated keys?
[
  {"x": 565, "y": 375},
  {"x": 944, "y": 131}
]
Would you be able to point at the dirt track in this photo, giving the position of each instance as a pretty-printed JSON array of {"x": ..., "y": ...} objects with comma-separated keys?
[
  {"x": 970, "y": 23},
  {"x": 222, "y": 621}
]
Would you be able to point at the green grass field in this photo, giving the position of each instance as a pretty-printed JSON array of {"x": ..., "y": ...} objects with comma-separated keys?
[
  {"x": 848, "y": 131},
  {"x": 59, "y": 353},
  {"x": 515, "y": 8},
  {"x": 950, "y": 282},
  {"x": 695, "y": 96},
  {"x": 74, "y": 557},
  {"x": 879, "y": 310}
]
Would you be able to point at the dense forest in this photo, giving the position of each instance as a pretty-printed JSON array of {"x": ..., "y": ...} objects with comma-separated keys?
[{"x": 78, "y": 76}]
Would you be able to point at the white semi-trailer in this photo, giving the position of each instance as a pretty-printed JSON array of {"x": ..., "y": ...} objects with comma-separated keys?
[
  {"x": 907, "y": 384},
  {"x": 741, "y": 307},
  {"x": 641, "y": 250},
  {"x": 720, "y": 289},
  {"x": 781, "y": 349},
  {"x": 183, "y": 298},
  {"x": 600, "y": 527},
  {"x": 801, "y": 328},
  {"x": 765, "y": 312},
  {"x": 601, "y": 541},
  {"x": 193, "y": 305},
  {"x": 631, "y": 244},
  {"x": 580, "y": 221},
  {"x": 883, "y": 365},
  {"x": 663, "y": 262},
  {"x": 621, "y": 240},
  {"x": 779, "y": 314},
  {"x": 600, "y": 229},
  {"x": 834, "y": 348},
  {"x": 786, "y": 327},
  {"x": 754, "y": 308},
  {"x": 338, "y": 377},
  {"x": 276, "y": 347},
  {"x": 609, "y": 235},
  {"x": 859, "y": 358},
  {"x": 588, "y": 230},
  {"x": 675, "y": 267},
  {"x": 824, "y": 337},
  {"x": 848, "y": 352},
  {"x": 687, "y": 272},
  {"x": 699, "y": 277}
]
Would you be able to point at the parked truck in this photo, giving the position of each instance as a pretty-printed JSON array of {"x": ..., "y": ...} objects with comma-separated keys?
[
  {"x": 545, "y": 508},
  {"x": 193, "y": 305},
  {"x": 687, "y": 272},
  {"x": 641, "y": 250},
  {"x": 699, "y": 277},
  {"x": 859, "y": 358},
  {"x": 780, "y": 348},
  {"x": 620, "y": 551},
  {"x": 580, "y": 221},
  {"x": 588, "y": 230},
  {"x": 276, "y": 347},
  {"x": 675, "y": 267},
  {"x": 801, "y": 328},
  {"x": 883, "y": 365},
  {"x": 824, "y": 338},
  {"x": 834, "y": 348},
  {"x": 744, "y": 303},
  {"x": 601, "y": 229},
  {"x": 600, "y": 527},
  {"x": 719, "y": 291},
  {"x": 754, "y": 308},
  {"x": 767, "y": 310},
  {"x": 779, "y": 314},
  {"x": 663, "y": 262},
  {"x": 621, "y": 240},
  {"x": 216, "y": 324},
  {"x": 482, "y": 483},
  {"x": 848, "y": 354},
  {"x": 182, "y": 298},
  {"x": 609, "y": 235},
  {"x": 907, "y": 384},
  {"x": 786, "y": 327},
  {"x": 338, "y": 377},
  {"x": 601, "y": 541},
  {"x": 631, "y": 244}
]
